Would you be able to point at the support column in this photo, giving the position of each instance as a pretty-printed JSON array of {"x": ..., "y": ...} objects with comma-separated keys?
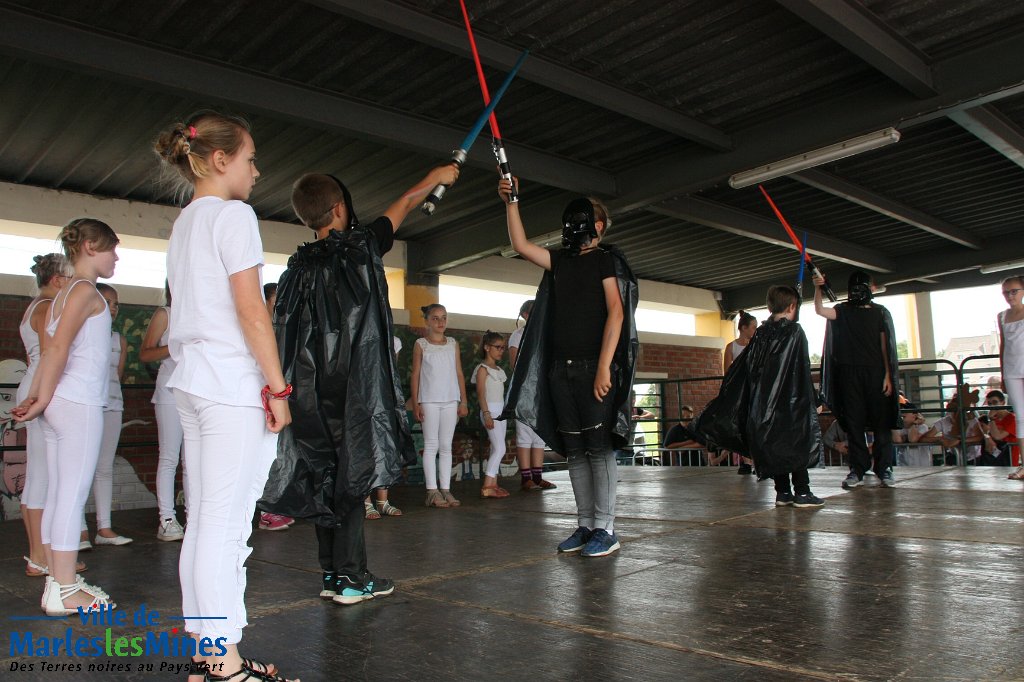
[{"x": 420, "y": 290}]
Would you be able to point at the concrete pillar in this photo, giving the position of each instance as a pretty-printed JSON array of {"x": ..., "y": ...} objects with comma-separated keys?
[
  {"x": 420, "y": 290},
  {"x": 922, "y": 330}
]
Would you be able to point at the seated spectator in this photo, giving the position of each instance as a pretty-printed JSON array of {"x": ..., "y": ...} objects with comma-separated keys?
[
  {"x": 915, "y": 430},
  {"x": 947, "y": 429},
  {"x": 835, "y": 438},
  {"x": 681, "y": 439},
  {"x": 999, "y": 433}
]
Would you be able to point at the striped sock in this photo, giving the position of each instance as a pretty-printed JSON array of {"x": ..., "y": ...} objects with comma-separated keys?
[
  {"x": 526, "y": 474},
  {"x": 536, "y": 474}
]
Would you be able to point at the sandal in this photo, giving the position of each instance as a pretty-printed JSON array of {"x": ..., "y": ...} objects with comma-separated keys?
[
  {"x": 34, "y": 570},
  {"x": 546, "y": 485},
  {"x": 449, "y": 498},
  {"x": 249, "y": 669},
  {"x": 1017, "y": 475},
  {"x": 435, "y": 499},
  {"x": 388, "y": 509},
  {"x": 493, "y": 491},
  {"x": 54, "y": 596},
  {"x": 370, "y": 511}
]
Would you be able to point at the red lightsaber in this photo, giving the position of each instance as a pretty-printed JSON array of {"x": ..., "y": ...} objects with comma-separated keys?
[
  {"x": 796, "y": 242},
  {"x": 496, "y": 143}
]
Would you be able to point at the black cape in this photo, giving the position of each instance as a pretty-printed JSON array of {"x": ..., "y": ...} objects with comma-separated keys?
[
  {"x": 349, "y": 432},
  {"x": 832, "y": 393},
  {"x": 766, "y": 407},
  {"x": 528, "y": 398}
]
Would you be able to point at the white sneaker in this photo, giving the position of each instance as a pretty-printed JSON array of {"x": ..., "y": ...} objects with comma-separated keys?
[
  {"x": 84, "y": 546},
  {"x": 170, "y": 530},
  {"x": 116, "y": 540}
]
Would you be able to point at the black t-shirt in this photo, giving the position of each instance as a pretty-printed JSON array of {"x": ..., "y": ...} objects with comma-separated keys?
[
  {"x": 580, "y": 309},
  {"x": 383, "y": 233},
  {"x": 856, "y": 335},
  {"x": 678, "y": 434}
]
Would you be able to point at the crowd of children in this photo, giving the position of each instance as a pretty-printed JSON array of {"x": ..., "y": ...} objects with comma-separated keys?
[{"x": 290, "y": 396}]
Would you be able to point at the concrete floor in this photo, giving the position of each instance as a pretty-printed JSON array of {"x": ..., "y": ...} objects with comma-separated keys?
[{"x": 712, "y": 583}]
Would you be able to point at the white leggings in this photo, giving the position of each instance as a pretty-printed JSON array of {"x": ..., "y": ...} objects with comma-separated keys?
[
  {"x": 497, "y": 438},
  {"x": 103, "y": 481},
  {"x": 73, "y": 433},
  {"x": 33, "y": 495},
  {"x": 1015, "y": 395},
  {"x": 439, "y": 421},
  {"x": 229, "y": 451},
  {"x": 169, "y": 437}
]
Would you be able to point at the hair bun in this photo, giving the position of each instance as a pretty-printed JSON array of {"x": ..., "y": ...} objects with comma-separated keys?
[
  {"x": 424, "y": 309},
  {"x": 38, "y": 259}
]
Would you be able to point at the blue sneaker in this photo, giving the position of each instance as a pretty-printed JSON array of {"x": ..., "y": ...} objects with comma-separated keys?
[
  {"x": 601, "y": 543},
  {"x": 577, "y": 541},
  {"x": 350, "y": 590}
]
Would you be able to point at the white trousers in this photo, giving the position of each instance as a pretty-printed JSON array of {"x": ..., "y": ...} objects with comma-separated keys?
[
  {"x": 169, "y": 438},
  {"x": 228, "y": 451},
  {"x": 439, "y": 421},
  {"x": 497, "y": 438},
  {"x": 1015, "y": 395},
  {"x": 73, "y": 433},
  {"x": 103, "y": 481}
]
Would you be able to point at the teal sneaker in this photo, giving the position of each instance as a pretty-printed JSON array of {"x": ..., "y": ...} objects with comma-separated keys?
[{"x": 351, "y": 590}]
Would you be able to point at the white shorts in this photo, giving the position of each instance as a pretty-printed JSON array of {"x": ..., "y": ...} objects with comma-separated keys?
[{"x": 526, "y": 438}]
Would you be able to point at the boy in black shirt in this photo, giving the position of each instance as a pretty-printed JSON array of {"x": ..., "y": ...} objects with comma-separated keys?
[
  {"x": 573, "y": 377},
  {"x": 858, "y": 376},
  {"x": 349, "y": 432}
]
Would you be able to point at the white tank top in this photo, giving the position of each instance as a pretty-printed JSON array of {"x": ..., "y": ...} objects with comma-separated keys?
[
  {"x": 87, "y": 373},
  {"x": 31, "y": 341},
  {"x": 438, "y": 380},
  {"x": 115, "y": 400},
  {"x": 735, "y": 350},
  {"x": 1013, "y": 347},
  {"x": 161, "y": 394},
  {"x": 494, "y": 386}
]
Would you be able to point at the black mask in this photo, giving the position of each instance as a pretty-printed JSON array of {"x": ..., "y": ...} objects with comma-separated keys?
[
  {"x": 578, "y": 227},
  {"x": 859, "y": 288}
]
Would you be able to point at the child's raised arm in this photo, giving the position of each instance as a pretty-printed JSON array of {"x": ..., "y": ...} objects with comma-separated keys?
[
  {"x": 819, "y": 306},
  {"x": 442, "y": 175},
  {"x": 516, "y": 233}
]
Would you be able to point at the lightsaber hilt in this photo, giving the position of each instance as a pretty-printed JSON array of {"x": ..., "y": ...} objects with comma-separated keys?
[
  {"x": 505, "y": 169},
  {"x": 436, "y": 194},
  {"x": 824, "y": 287}
]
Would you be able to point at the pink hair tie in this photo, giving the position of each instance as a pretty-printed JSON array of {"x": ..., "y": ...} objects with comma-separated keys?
[{"x": 191, "y": 132}]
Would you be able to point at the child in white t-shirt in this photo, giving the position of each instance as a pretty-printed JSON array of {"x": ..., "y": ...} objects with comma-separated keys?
[{"x": 490, "y": 379}]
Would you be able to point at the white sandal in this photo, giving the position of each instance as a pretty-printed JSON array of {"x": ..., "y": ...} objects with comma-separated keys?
[{"x": 55, "y": 594}]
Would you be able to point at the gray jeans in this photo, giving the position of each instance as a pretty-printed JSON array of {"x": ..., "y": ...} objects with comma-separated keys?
[{"x": 594, "y": 478}]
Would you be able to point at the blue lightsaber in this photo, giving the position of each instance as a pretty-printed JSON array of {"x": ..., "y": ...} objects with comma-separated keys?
[
  {"x": 803, "y": 262},
  {"x": 459, "y": 155}
]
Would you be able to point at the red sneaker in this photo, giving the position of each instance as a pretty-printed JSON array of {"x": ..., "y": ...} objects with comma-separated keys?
[{"x": 275, "y": 521}]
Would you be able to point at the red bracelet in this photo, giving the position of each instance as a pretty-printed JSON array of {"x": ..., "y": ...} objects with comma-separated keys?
[{"x": 267, "y": 395}]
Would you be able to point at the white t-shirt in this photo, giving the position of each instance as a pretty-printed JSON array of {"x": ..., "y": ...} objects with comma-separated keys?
[
  {"x": 516, "y": 337},
  {"x": 494, "y": 385},
  {"x": 212, "y": 239},
  {"x": 911, "y": 454},
  {"x": 439, "y": 380}
]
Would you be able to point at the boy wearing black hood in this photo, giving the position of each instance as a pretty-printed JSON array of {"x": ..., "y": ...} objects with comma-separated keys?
[
  {"x": 859, "y": 376},
  {"x": 333, "y": 323}
]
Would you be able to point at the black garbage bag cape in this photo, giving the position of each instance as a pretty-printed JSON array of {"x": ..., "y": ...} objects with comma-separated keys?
[
  {"x": 528, "y": 398},
  {"x": 830, "y": 392},
  {"x": 349, "y": 432},
  {"x": 766, "y": 407}
]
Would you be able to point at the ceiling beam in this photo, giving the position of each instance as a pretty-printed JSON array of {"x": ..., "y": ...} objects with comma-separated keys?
[
  {"x": 864, "y": 34},
  {"x": 425, "y": 28},
  {"x": 952, "y": 266},
  {"x": 486, "y": 237},
  {"x": 751, "y": 225},
  {"x": 38, "y": 39},
  {"x": 988, "y": 73},
  {"x": 833, "y": 184},
  {"x": 994, "y": 129}
]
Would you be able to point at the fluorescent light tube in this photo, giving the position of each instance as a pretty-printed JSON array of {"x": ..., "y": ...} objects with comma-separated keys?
[{"x": 833, "y": 152}]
